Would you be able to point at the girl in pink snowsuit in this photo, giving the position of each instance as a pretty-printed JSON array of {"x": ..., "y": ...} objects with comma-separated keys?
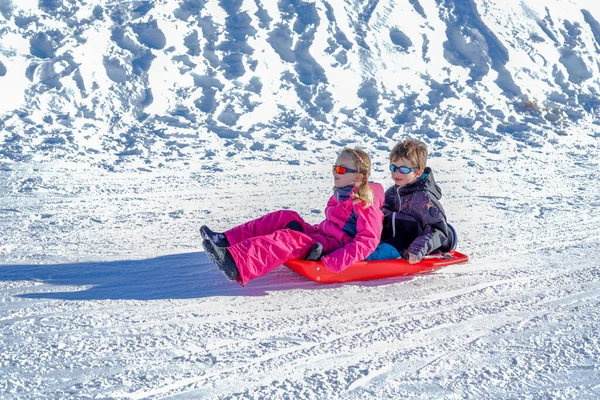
[{"x": 350, "y": 232}]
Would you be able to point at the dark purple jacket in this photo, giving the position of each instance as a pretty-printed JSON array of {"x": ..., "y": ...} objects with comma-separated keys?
[{"x": 415, "y": 221}]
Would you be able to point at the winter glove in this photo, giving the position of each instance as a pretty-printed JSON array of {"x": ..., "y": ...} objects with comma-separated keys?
[{"x": 412, "y": 258}]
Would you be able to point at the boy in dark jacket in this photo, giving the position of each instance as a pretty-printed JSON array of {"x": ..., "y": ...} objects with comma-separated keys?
[{"x": 415, "y": 222}]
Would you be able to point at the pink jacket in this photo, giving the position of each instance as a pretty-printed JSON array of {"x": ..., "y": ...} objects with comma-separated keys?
[{"x": 357, "y": 229}]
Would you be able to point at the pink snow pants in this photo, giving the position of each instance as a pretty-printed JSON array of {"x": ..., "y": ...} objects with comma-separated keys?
[{"x": 261, "y": 245}]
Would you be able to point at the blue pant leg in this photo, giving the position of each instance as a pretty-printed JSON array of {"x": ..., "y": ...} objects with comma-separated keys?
[{"x": 384, "y": 251}]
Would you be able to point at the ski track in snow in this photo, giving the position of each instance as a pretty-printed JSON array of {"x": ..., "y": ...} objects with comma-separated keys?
[
  {"x": 231, "y": 110},
  {"x": 520, "y": 320}
]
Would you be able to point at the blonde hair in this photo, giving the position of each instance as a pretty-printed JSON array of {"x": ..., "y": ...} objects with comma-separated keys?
[
  {"x": 364, "y": 192},
  {"x": 413, "y": 150}
]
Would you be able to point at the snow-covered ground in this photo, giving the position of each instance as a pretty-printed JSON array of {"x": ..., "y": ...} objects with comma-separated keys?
[
  {"x": 520, "y": 320},
  {"x": 126, "y": 125}
]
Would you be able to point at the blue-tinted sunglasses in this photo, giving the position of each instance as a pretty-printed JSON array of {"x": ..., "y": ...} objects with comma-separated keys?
[
  {"x": 342, "y": 170},
  {"x": 403, "y": 170}
]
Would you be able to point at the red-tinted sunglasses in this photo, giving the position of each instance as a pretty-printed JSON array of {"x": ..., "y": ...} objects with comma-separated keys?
[{"x": 342, "y": 170}]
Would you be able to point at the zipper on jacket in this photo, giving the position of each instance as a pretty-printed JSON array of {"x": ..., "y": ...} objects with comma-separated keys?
[{"x": 399, "y": 202}]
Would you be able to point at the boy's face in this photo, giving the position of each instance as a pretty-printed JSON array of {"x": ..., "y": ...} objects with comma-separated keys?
[
  {"x": 404, "y": 179},
  {"x": 349, "y": 178}
]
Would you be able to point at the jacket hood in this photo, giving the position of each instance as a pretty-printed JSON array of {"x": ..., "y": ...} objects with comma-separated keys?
[
  {"x": 426, "y": 182},
  {"x": 378, "y": 194}
]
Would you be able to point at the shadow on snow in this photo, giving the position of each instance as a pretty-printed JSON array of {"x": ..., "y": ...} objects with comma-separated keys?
[{"x": 179, "y": 276}]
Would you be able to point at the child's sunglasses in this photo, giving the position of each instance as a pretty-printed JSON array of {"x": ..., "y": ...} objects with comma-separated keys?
[
  {"x": 402, "y": 170},
  {"x": 342, "y": 170}
]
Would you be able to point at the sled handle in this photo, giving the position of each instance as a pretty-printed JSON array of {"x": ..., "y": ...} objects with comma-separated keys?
[{"x": 444, "y": 256}]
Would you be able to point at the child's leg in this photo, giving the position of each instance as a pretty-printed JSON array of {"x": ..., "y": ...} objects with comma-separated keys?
[
  {"x": 259, "y": 255},
  {"x": 384, "y": 251},
  {"x": 329, "y": 243},
  {"x": 264, "y": 225}
]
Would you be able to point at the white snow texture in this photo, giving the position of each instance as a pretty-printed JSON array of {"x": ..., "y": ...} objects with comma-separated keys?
[{"x": 126, "y": 125}]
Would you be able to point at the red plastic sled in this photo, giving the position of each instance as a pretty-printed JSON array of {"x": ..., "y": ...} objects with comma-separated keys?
[{"x": 368, "y": 270}]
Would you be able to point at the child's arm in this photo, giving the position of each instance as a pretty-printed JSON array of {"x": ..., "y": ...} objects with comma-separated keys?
[
  {"x": 368, "y": 225},
  {"x": 390, "y": 206},
  {"x": 434, "y": 226},
  {"x": 390, "y": 202}
]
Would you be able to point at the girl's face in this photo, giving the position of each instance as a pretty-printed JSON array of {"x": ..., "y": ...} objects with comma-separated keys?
[
  {"x": 348, "y": 178},
  {"x": 404, "y": 179}
]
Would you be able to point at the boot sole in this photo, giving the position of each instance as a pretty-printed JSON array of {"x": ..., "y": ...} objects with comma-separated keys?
[{"x": 210, "y": 251}]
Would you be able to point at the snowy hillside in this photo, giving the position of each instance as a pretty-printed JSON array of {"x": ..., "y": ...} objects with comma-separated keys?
[
  {"x": 159, "y": 81},
  {"x": 126, "y": 125}
]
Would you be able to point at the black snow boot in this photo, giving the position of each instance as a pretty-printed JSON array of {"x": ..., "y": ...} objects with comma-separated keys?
[
  {"x": 217, "y": 238},
  {"x": 294, "y": 225},
  {"x": 223, "y": 259},
  {"x": 315, "y": 253}
]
